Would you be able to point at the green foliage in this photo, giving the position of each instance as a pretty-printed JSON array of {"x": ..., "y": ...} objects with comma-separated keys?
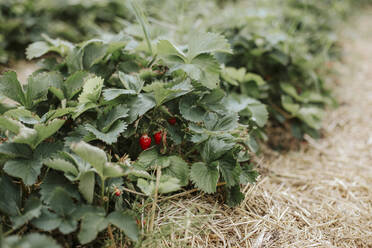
[
  {"x": 71, "y": 132},
  {"x": 76, "y": 130}
]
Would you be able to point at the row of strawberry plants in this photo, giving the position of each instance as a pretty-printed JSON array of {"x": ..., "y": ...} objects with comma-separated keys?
[
  {"x": 288, "y": 45},
  {"x": 24, "y": 21}
]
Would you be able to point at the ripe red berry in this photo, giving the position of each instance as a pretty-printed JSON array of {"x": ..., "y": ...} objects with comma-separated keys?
[
  {"x": 145, "y": 141},
  {"x": 172, "y": 120},
  {"x": 158, "y": 137},
  {"x": 117, "y": 192}
]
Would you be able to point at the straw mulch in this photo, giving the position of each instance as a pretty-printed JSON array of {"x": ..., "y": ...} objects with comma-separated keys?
[{"x": 317, "y": 196}]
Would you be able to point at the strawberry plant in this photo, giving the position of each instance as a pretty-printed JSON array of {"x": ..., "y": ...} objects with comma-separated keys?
[{"x": 79, "y": 131}]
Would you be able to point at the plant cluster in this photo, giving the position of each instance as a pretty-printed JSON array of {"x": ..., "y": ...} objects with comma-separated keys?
[
  {"x": 104, "y": 116},
  {"x": 24, "y": 21}
]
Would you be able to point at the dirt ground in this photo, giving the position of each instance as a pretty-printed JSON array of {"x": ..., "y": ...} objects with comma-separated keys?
[{"x": 317, "y": 196}]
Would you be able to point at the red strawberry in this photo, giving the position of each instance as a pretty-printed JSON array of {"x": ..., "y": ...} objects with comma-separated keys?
[
  {"x": 158, "y": 137},
  {"x": 172, "y": 120},
  {"x": 117, "y": 192},
  {"x": 145, "y": 141}
]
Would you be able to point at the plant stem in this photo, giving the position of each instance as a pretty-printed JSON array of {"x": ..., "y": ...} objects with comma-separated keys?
[
  {"x": 102, "y": 191},
  {"x": 192, "y": 150},
  {"x": 142, "y": 21}
]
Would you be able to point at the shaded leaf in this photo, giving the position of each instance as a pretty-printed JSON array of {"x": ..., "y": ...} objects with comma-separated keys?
[{"x": 204, "y": 176}]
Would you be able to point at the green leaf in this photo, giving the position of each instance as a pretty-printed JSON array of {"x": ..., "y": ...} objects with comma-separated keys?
[
  {"x": 61, "y": 202},
  {"x": 170, "y": 53},
  {"x": 289, "y": 105},
  {"x": 63, "y": 206},
  {"x": 160, "y": 93},
  {"x": 37, "y": 49},
  {"x": 200, "y": 43},
  {"x": 203, "y": 68},
  {"x": 11, "y": 87},
  {"x": 32, "y": 210},
  {"x": 291, "y": 90},
  {"x": 47, "y": 150},
  {"x": 312, "y": 116},
  {"x": 199, "y": 63},
  {"x": 214, "y": 122},
  {"x": 61, "y": 165},
  {"x": 38, "y": 86},
  {"x": 57, "y": 93},
  {"x": 10, "y": 197},
  {"x": 74, "y": 60},
  {"x": 107, "y": 120},
  {"x": 125, "y": 222},
  {"x": 47, "y": 221},
  {"x": 14, "y": 150},
  {"x": 9, "y": 124},
  {"x": 145, "y": 186},
  {"x": 111, "y": 94},
  {"x": 112, "y": 170},
  {"x": 147, "y": 158},
  {"x": 55, "y": 180},
  {"x": 67, "y": 226},
  {"x": 168, "y": 184},
  {"x": 259, "y": 113},
  {"x": 27, "y": 170},
  {"x": 91, "y": 225},
  {"x": 179, "y": 169},
  {"x": 204, "y": 176},
  {"x": 131, "y": 82},
  {"x": 256, "y": 110},
  {"x": 190, "y": 110},
  {"x": 22, "y": 115},
  {"x": 230, "y": 171},
  {"x": 81, "y": 108},
  {"x": 44, "y": 131},
  {"x": 6, "y": 105},
  {"x": 32, "y": 240},
  {"x": 111, "y": 135},
  {"x": 139, "y": 105},
  {"x": 253, "y": 77},
  {"x": 137, "y": 172},
  {"x": 94, "y": 52},
  {"x": 93, "y": 155},
  {"x": 233, "y": 196},
  {"x": 74, "y": 83},
  {"x": 164, "y": 92},
  {"x": 53, "y": 114},
  {"x": 251, "y": 142},
  {"x": 26, "y": 136},
  {"x": 86, "y": 186},
  {"x": 91, "y": 90},
  {"x": 214, "y": 148},
  {"x": 233, "y": 75},
  {"x": 214, "y": 97},
  {"x": 248, "y": 175}
]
